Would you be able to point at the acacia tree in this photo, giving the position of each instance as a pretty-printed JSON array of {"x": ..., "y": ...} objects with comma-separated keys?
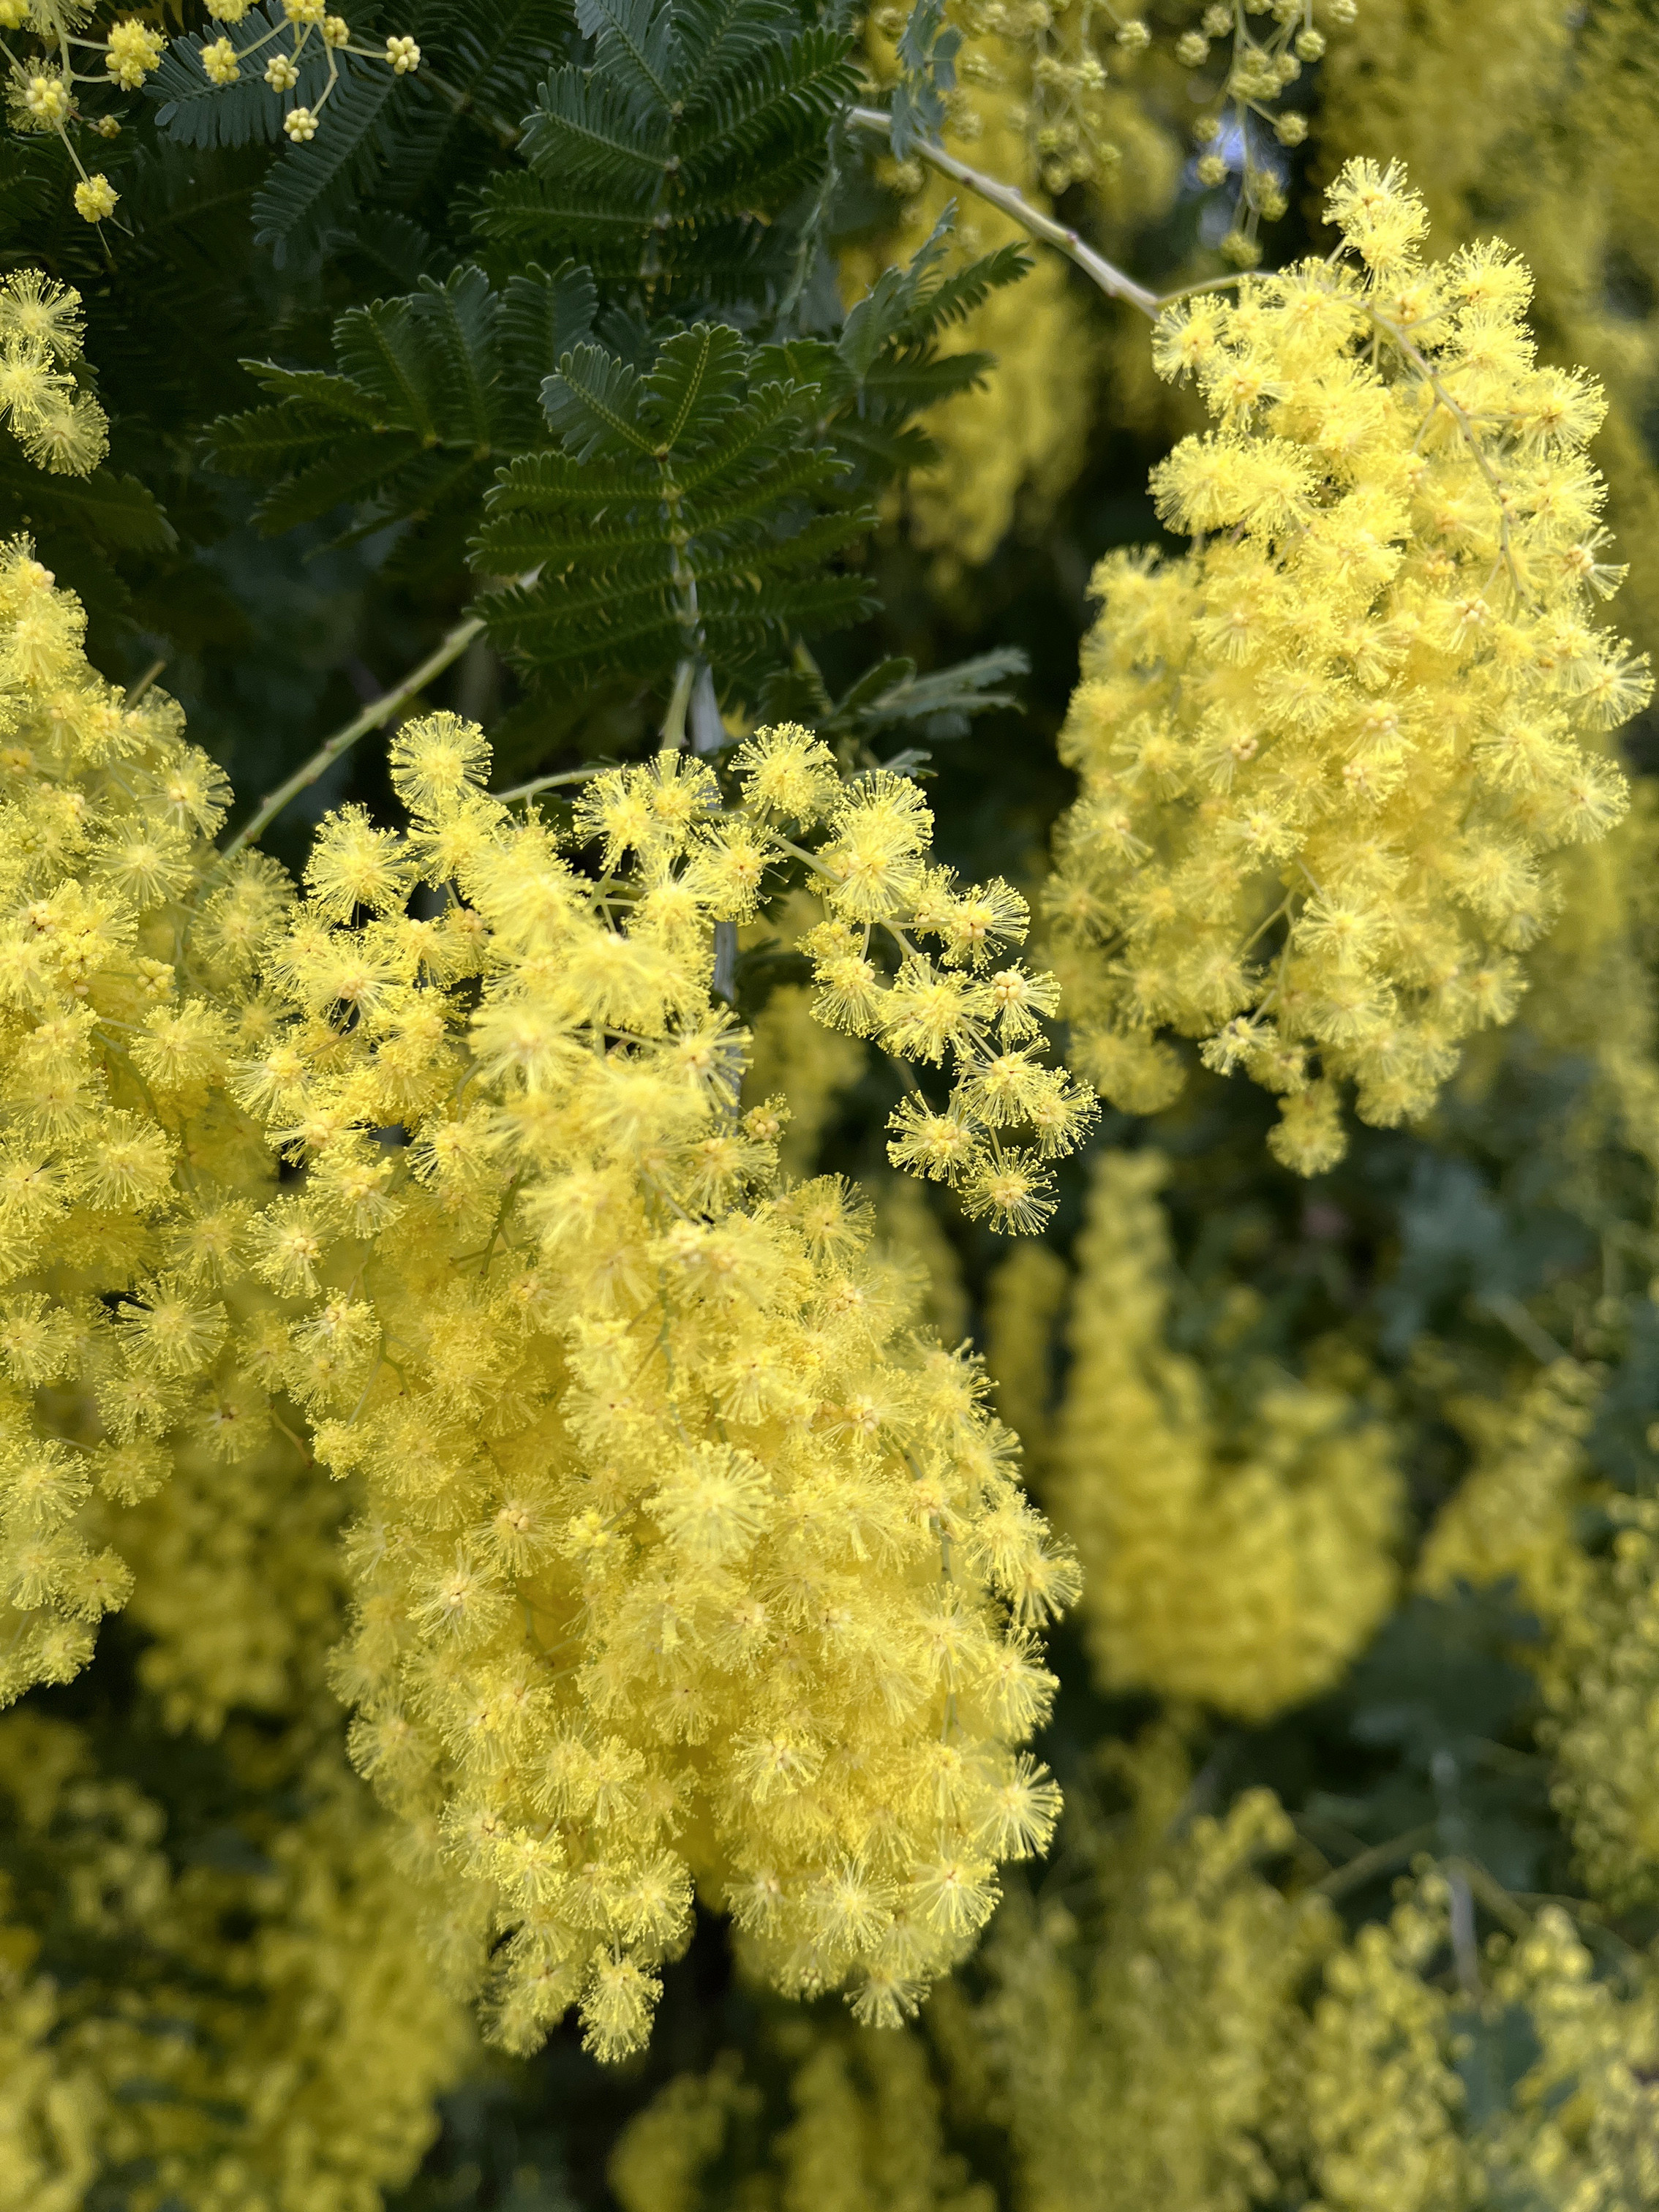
[{"x": 626, "y": 1390}]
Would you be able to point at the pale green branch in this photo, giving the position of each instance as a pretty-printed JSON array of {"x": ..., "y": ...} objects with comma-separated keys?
[{"x": 1111, "y": 279}]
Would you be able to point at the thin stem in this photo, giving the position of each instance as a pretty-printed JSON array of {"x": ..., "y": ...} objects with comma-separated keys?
[
  {"x": 144, "y": 682},
  {"x": 1377, "y": 1860},
  {"x": 1465, "y": 1955},
  {"x": 1111, "y": 279},
  {"x": 1528, "y": 1333},
  {"x": 378, "y": 711},
  {"x": 1498, "y": 1900},
  {"x": 673, "y": 722},
  {"x": 464, "y": 104},
  {"x": 546, "y": 782}
]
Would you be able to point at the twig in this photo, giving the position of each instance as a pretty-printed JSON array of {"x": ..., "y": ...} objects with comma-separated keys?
[
  {"x": 1377, "y": 1860},
  {"x": 546, "y": 782},
  {"x": 378, "y": 711},
  {"x": 1111, "y": 279},
  {"x": 1522, "y": 1327},
  {"x": 1491, "y": 1894},
  {"x": 144, "y": 682},
  {"x": 1466, "y": 1951}
]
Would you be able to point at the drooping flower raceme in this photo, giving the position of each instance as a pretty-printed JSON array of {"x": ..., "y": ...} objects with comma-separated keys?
[
  {"x": 686, "y": 1558},
  {"x": 125, "y": 1175},
  {"x": 1241, "y": 1563},
  {"x": 1326, "y": 755}
]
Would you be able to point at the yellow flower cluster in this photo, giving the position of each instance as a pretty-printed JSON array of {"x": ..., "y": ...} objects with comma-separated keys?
[
  {"x": 685, "y": 1558},
  {"x": 1184, "y": 2030},
  {"x": 985, "y": 1023},
  {"x": 141, "y": 1459},
  {"x": 1387, "y": 2128},
  {"x": 48, "y": 91},
  {"x": 251, "y": 2030},
  {"x": 1211, "y": 2041},
  {"x": 1240, "y": 1566},
  {"x": 60, "y": 428},
  {"x": 1604, "y": 1693},
  {"x": 1544, "y": 114},
  {"x": 1326, "y": 757},
  {"x": 1144, "y": 2045},
  {"x": 290, "y": 40},
  {"x": 1552, "y": 113},
  {"x": 866, "y": 2137},
  {"x": 1093, "y": 83},
  {"x": 1512, "y": 1516},
  {"x": 206, "y": 1554},
  {"x": 1381, "y": 2088},
  {"x": 125, "y": 1171},
  {"x": 1137, "y": 2054}
]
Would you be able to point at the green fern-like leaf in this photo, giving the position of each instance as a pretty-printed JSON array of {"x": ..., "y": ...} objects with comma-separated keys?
[
  {"x": 891, "y": 696},
  {"x": 690, "y": 514},
  {"x": 430, "y": 393},
  {"x": 322, "y": 182},
  {"x": 663, "y": 156},
  {"x": 115, "y": 513}
]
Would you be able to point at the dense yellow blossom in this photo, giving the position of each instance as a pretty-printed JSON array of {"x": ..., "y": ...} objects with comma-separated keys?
[
  {"x": 207, "y": 1553},
  {"x": 246, "y": 2028},
  {"x": 1240, "y": 1561},
  {"x": 1553, "y": 112},
  {"x": 125, "y": 1173},
  {"x": 1184, "y": 2026},
  {"x": 1386, "y": 2113},
  {"x": 143, "y": 1463},
  {"x": 81, "y": 48},
  {"x": 1185, "y": 2030},
  {"x": 685, "y": 1558},
  {"x": 60, "y": 427},
  {"x": 1327, "y": 757},
  {"x": 1143, "y": 2044},
  {"x": 1136, "y": 2050},
  {"x": 789, "y": 1654},
  {"x": 1544, "y": 113}
]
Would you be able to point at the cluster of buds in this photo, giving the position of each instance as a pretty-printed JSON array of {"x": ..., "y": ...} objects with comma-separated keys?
[
  {"x": 55, "y": 84},
  {"x": 1245, "y": 54},
  {"x": 306, "y": 25},
  {"x": 1246, "y": 123}
]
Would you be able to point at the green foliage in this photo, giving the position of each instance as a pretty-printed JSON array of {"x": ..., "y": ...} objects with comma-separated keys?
[
  {"x": 890, "y": 698},
  {"x": 430, "y": 393},
  {"x": 659, "y": 159},
  {"x": 684, "y": 515},
  {"x": 927, "y": 51}
]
